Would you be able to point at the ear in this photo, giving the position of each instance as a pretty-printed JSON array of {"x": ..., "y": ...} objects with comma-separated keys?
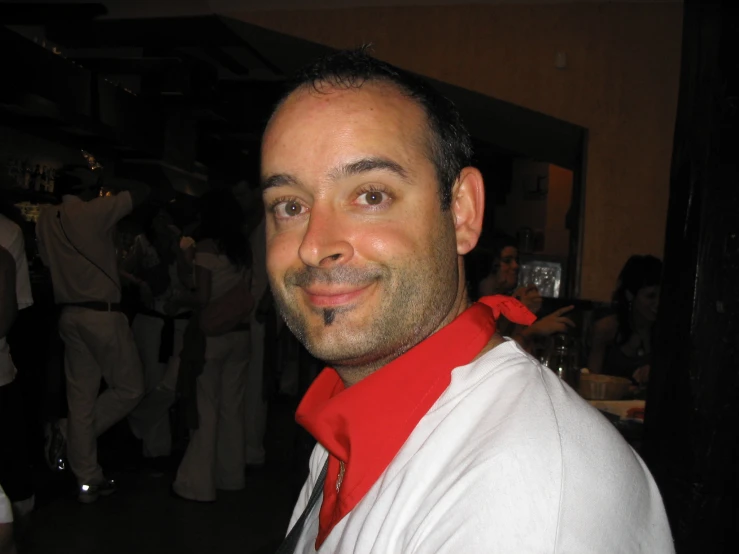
[{"x": 468, "y": 208}]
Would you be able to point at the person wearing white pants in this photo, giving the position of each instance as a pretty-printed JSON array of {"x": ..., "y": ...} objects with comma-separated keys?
[
  {"x": 215, "y": 456},
  {"x": 150, "y": 420},
  {"x": 97, "y": 345},
  {"x": 75, "y": 240},
  {"x": 158, "y": 328}
]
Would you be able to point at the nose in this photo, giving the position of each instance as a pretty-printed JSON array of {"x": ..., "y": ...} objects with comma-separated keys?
[{"x": 326, "y": 242}]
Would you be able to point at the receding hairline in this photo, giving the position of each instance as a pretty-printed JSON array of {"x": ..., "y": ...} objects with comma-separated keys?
[{"x": 327, "y": 86}]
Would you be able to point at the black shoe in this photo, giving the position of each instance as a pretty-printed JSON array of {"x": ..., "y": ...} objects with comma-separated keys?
[{"x": 90, "y": 493}]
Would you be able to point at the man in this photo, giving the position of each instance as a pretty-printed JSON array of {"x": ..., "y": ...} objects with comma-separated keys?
[
  {"x": 15, "y": 472},
  {"x": 75, "y": 241},
  {"x": 440, "y": 435},
  {"x": 8, "y": 311}
]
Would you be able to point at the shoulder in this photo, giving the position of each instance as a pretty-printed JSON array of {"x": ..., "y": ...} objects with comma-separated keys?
[
  {"x": 11, "y": 236},
  {"x": 207, "y": 255},
  {"x": 122, "y": 200},
  {"x": 8, "y": 226},
  {"x": 206, "y": 246},
  {"x": 515, "y": 451},
  {"x": 606, "y": 327}
]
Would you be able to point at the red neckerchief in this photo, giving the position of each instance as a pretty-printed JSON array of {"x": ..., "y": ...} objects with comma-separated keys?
[{"x": 365, "y": 425}]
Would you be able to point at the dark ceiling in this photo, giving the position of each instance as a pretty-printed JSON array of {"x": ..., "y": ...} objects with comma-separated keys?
[{"x": 193, "y": 93}]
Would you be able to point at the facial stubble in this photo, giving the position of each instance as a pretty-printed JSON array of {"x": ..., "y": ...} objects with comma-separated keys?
[{"x": 415, "y": 297}]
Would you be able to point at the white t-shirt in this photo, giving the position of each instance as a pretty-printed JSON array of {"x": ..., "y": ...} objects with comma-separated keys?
[
  {"x": 508, "y": 460},
  {"x": 6, "y": 511},
  {"x": 76, "y": 242},
  {"x": 224, "y": 274},
  {"x": 11, "y": 238}
]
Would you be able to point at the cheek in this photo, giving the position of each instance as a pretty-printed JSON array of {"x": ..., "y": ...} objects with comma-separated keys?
[
  {"x": 282, "y": 253},
  {"x": 385, "y": 241}
]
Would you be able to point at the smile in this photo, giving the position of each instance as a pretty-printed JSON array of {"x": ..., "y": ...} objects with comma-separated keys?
[{"x": 332, "y": 297}]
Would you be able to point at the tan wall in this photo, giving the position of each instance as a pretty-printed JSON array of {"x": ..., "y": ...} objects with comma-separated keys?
[
  {"x": 621, "y": 83},
  {"x": 556, "y": 236},
  {"x": 519, "y": 210}
]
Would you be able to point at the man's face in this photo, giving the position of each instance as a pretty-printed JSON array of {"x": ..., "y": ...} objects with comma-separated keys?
[{"x": 361, "y": 258}]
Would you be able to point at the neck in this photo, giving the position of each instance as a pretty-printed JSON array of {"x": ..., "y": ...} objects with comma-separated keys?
[
  {"x": 351, "y": 375},
  {"x": 639, "y": 323}
]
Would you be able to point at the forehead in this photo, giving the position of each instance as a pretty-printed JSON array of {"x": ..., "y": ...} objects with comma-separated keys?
[{"x": 331, "y": 124}]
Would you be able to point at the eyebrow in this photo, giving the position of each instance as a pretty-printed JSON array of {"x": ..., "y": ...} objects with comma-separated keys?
[
  {"x": 365, "y": 165},
  {"x": 279, "y": 180},
  {"x": 358, "y": 167}
]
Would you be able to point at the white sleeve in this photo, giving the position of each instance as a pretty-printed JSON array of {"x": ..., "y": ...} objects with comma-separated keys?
[
  {"x": 109, "y": 210},
  {"x": 17, "y": 248},
  {"x": 6, "y": 511}
]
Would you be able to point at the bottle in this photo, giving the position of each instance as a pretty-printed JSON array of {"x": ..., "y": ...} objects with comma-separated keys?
[
  {"x": 562, "y": 358},
  {"x": 36, "y": 179},
  {"x": 26, "y": 169},
  {"x": 50, "y": 176}
]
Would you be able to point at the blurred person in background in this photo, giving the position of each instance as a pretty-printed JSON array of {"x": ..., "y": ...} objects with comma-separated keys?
[
  {"x": 15, "y": 459},
  {"x": 622, "y": 341},
  {"x": 153, "y": 265},
  {"x": 493, "y": 269},
  {"x": 75, "y": 240},
  {"x": 7, "y": 544},
  {"x": 215, "y": 455}
]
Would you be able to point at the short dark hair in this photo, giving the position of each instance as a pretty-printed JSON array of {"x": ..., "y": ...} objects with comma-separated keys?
[
  {"x": 485, "y": 259},
  {"x": 74, "y": 179},
  {"x": 638, "y": 272},
  {"x": 450, "y": 146}
]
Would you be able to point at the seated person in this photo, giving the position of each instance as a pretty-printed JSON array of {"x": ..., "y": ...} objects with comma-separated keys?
[
  {"x": 494, "y": 270},
  {"x": 622, "y": 341}
]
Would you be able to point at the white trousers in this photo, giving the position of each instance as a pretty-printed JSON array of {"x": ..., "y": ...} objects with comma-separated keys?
[
  {"x": 215, "y": 455},
  {"x": 150, "y": 420},
  {"x": 97, "y": 345},
  {"x": 255, "y": 407}
]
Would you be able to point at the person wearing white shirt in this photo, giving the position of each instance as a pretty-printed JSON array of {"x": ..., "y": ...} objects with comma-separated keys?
[
  {"x": 15, "y": 475},
  {"x": 75, "y": 241}
]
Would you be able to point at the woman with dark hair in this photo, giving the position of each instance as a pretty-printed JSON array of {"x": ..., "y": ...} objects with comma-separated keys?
[
  {"x": 494, "y": 270},
  {"x": 622, "y": 342},
  {"x": 215, "y": 455}
]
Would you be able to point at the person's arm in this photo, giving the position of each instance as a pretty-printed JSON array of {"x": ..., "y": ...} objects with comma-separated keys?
[
  {"x": 8, "y": 299},
  {"x": 139, "y": 191},
  {"x": 550, "y": 325},
  {"x": 530, "y": 297},
  {"x": 604, "y": 332}
]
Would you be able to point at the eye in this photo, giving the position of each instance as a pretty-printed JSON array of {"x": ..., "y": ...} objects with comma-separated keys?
[
  {"x": 284, "y": 209},
  {"x": 373, "y": 198}
]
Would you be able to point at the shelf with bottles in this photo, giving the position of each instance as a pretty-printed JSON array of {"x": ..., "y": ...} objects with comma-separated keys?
[{"x": 22, "y": 174}]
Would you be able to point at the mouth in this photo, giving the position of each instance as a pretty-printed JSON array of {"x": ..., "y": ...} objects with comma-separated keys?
[{"x": 333, "y": 296}]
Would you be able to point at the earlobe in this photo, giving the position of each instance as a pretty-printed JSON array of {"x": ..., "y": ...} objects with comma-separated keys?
[{"x": 468, "y": 207}]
